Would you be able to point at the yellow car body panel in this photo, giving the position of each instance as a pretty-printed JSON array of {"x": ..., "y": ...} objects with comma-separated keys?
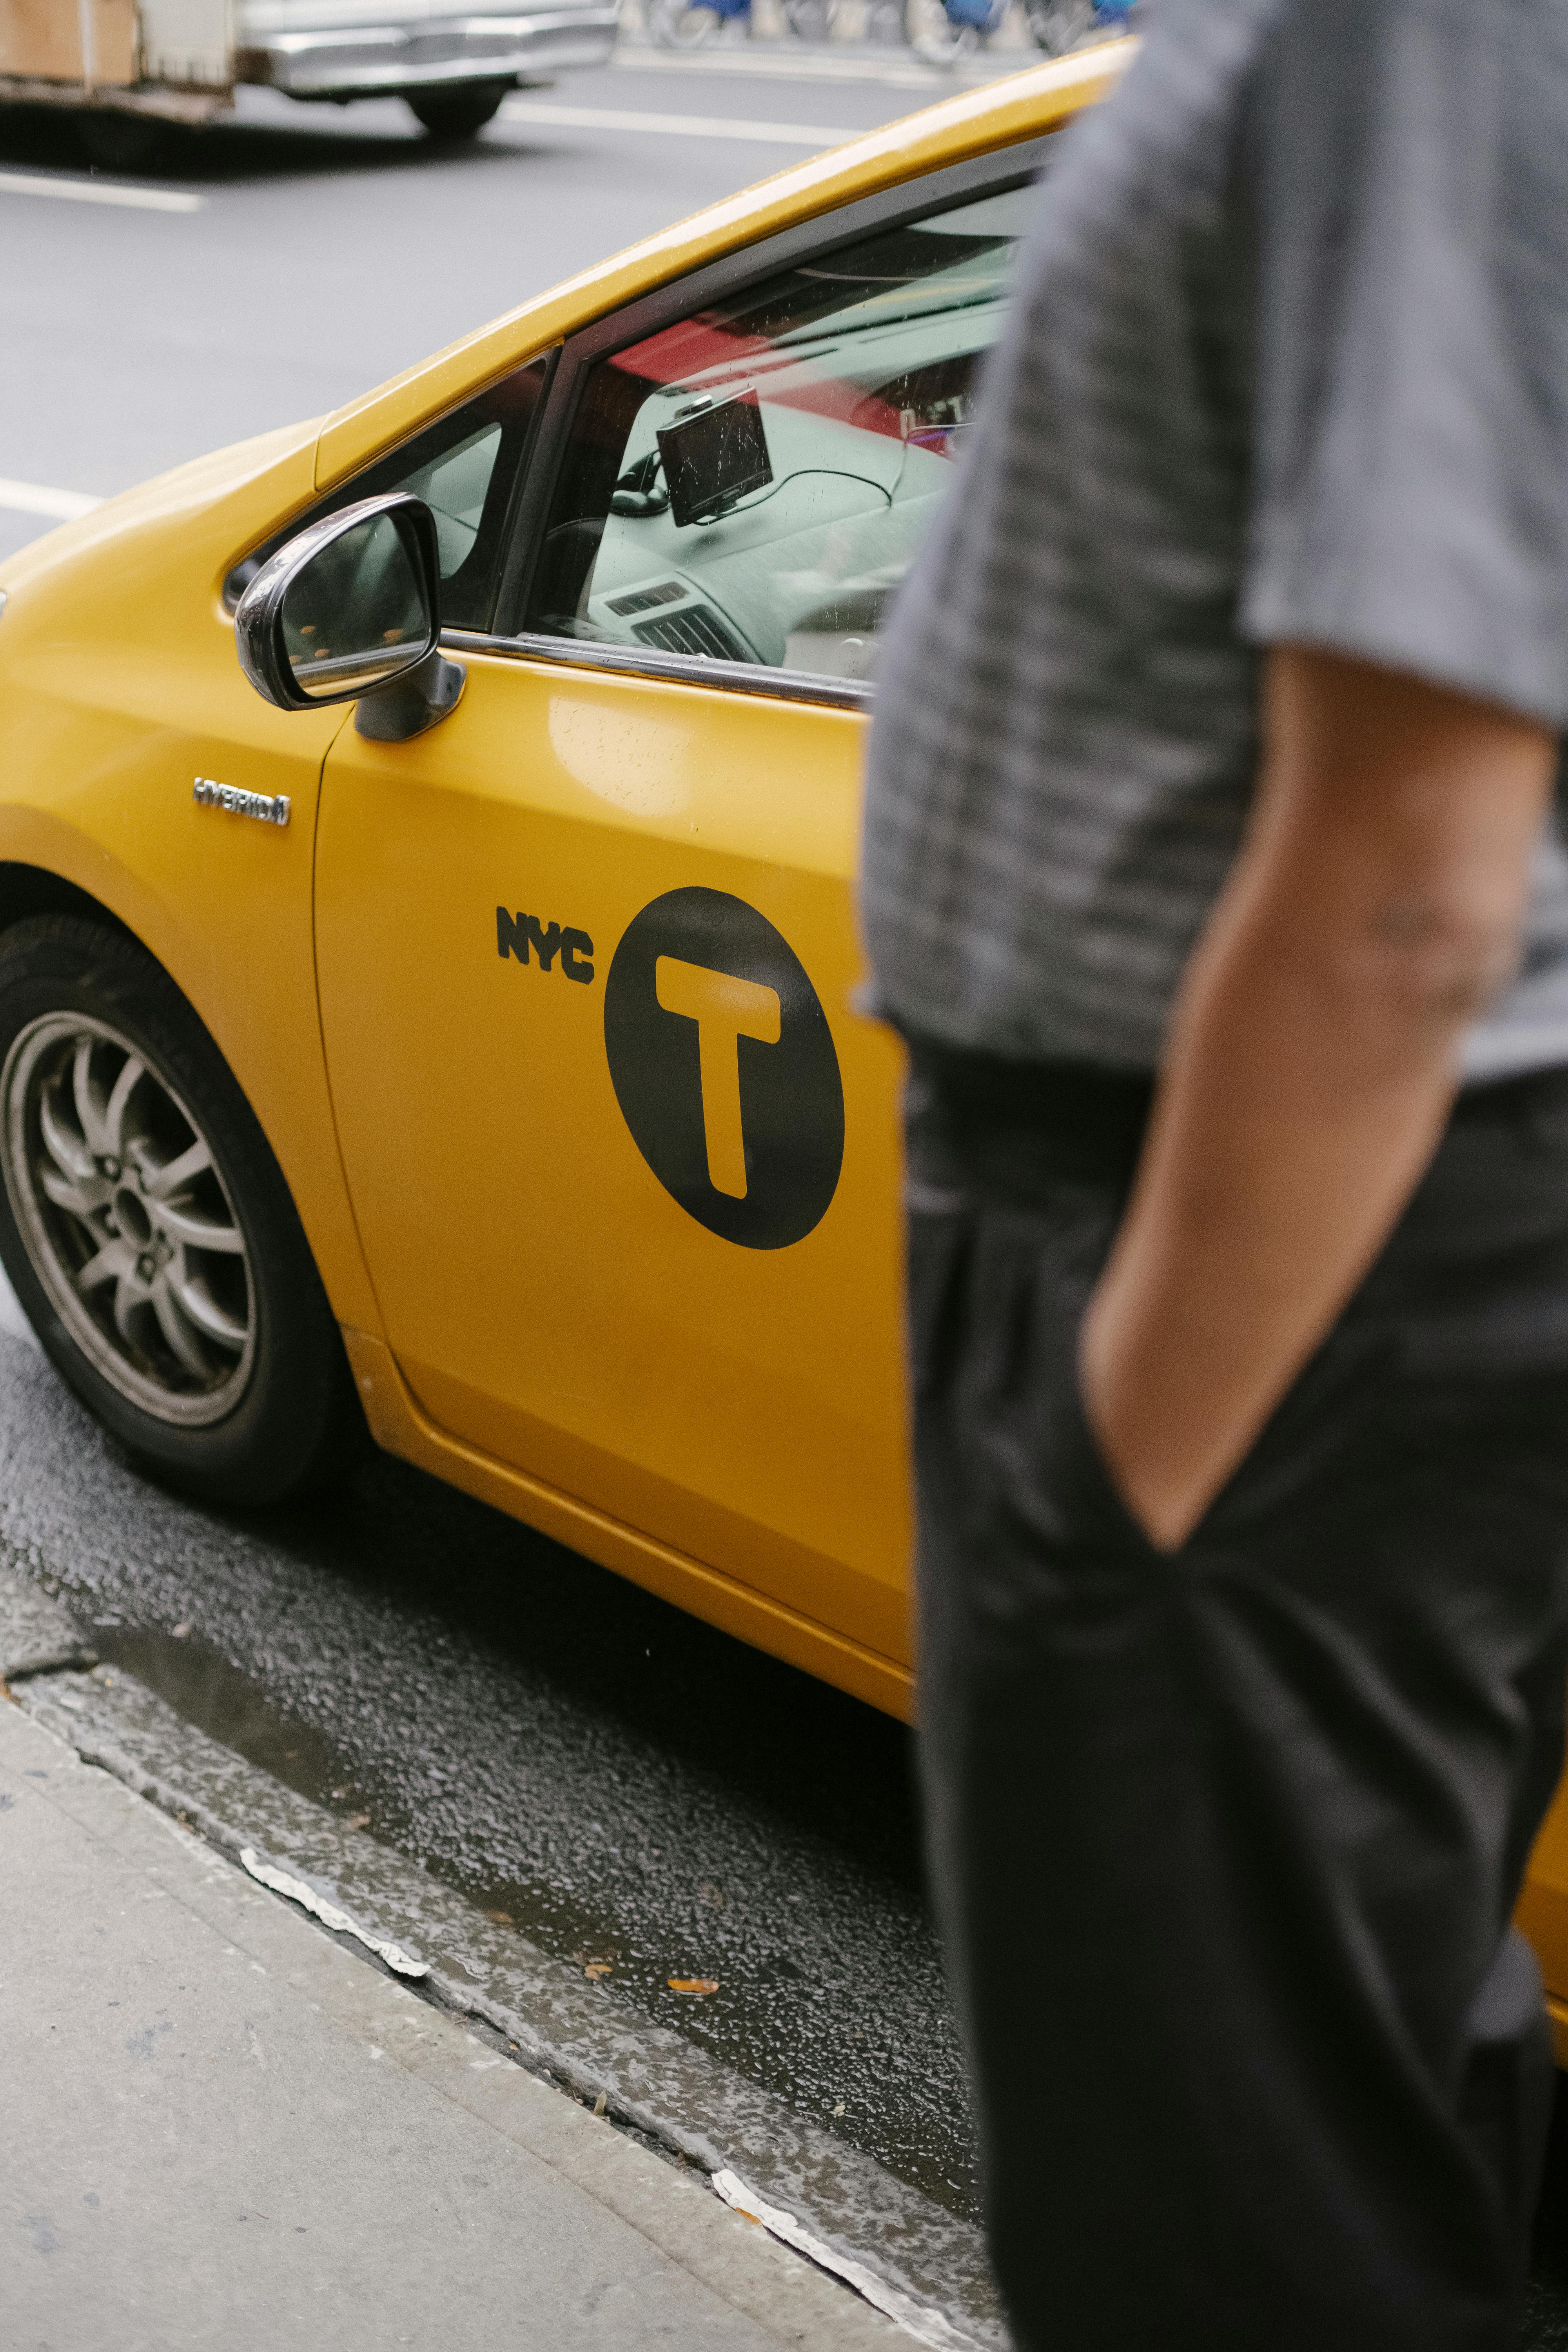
[
  {"x": 118, "y": 688},
  {"x": 546, "y": 1302},
  {"x": 724, "y": 1426}
]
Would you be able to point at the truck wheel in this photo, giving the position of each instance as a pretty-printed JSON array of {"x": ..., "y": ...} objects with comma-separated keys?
[
  {"x": 147, "y": 1229},
  {"x": 458, "y": 114},
  {"x": 117, "y": 140}
]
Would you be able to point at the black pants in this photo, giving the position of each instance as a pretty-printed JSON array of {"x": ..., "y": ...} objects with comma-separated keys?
[{"x": 1224, "y": 1843}]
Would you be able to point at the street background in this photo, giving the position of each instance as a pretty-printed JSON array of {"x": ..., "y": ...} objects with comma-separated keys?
[
  {"x": 325, "y": 247},
  {"x": 621, "y": 1785}
]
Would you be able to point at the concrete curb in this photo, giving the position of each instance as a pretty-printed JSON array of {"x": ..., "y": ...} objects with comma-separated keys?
[
  {"x": 289, "y": 2148},
  {"x": 923, "y": 2267},
  {"x": 37, "y": 1636}
]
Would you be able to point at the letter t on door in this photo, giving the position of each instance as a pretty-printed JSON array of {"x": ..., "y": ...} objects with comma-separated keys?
[{"x": 725, "y": 1010}]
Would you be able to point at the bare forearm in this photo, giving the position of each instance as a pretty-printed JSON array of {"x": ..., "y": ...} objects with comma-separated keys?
[
  {"x": 1312, "y": 1066},
  {"x": 1284, "y": 1152}
]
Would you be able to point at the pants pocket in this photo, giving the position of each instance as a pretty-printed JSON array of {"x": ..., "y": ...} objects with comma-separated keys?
[
  {"x": 1026, "y": 1418},
  {"x": 1097, "y": 1477}
]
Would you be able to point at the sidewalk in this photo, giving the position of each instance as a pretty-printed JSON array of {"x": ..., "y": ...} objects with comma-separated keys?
[{"x": 222, "y": 2128}]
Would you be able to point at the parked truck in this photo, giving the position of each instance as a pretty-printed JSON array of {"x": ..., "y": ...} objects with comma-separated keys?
[{"x": 135, "y": 65}]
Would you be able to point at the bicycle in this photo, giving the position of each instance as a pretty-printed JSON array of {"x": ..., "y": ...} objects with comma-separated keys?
[
  {"x": 1058, "y": 25},
  {"x": 943, "y": 31},
  {"x": 693, "y": 24}
]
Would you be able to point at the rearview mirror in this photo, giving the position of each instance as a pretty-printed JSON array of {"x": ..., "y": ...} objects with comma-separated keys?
[{"x": 349, "y": 611}]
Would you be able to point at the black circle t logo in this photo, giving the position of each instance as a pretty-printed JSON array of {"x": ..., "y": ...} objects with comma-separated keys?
[{"x": 723, "y": 1066}]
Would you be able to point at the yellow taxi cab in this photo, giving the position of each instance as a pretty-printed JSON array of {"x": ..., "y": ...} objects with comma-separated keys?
[{"x": 427, "y": 937}]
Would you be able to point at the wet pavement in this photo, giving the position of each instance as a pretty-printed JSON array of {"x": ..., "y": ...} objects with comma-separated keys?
[
  {"x": 223, "y": 2127},
  {"x": 629, "y": 1788}
]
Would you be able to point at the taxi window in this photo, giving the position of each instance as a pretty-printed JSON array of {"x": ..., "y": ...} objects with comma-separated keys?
[
  {"x": 751, "y": 483},
  {"x": 463, "y": 467},
  {"x": 454, "y": 487}
]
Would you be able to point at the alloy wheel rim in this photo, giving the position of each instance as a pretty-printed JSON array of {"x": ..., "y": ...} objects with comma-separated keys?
[{"x": 126, "y": 1219}]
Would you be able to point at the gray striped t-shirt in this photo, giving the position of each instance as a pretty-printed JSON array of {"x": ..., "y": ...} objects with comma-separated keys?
[{"x": 1288, "y": 363}]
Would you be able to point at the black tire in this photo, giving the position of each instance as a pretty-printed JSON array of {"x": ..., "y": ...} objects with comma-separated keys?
[
  {"x": 458, "y": 114},
  {"x": 118, "y": 141},
  {"x": 287, "y": 1413}
]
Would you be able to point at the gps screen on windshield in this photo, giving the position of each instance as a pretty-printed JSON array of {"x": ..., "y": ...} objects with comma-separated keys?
[{"x": 714, "y": 457}]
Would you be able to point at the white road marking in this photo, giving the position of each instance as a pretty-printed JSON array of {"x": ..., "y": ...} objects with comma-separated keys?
[
  {"x": 675, "y": 126},
  {"x": 31, "y": 498},
  {"x": 99, "y": 191}
]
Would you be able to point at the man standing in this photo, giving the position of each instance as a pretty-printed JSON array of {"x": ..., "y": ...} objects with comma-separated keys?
[{"x": 1213, "y": 874}]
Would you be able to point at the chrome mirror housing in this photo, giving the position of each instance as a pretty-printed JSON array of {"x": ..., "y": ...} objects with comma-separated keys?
[{"x": 349, "y": 611}]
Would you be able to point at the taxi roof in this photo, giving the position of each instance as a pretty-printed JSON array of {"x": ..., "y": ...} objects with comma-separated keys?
[{"x": 1019, "y": 106}]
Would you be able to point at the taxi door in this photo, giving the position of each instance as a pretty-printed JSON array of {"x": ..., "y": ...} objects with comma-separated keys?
[
  {"x": 624, "y": 1163},
  {"x": 623, "y": 1160}
]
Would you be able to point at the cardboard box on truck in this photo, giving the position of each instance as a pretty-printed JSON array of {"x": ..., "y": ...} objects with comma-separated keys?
[{"x": 453, "y": 61}]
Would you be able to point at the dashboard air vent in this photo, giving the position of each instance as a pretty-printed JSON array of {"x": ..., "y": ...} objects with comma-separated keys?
[
  {"x": 696, "y": 631},
  {"x": 642, "y": 599}
]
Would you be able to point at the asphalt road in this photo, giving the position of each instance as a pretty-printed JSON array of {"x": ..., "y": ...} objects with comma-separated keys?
[{"x": 621, "y": 1783}]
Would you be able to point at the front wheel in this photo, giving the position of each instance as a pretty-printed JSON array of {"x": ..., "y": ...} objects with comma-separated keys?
[
  {"x": 118, "y": 141},
  {"x": 458, "y": 114},
  {"x": 147, "y": 1229}
]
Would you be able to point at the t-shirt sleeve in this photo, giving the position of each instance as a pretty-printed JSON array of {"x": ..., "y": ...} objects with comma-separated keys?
[{"x": 1405, "y": 167}]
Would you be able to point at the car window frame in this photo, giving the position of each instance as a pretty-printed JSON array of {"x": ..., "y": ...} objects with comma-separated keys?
[
  {"x": 365, "y": 481},
  {"x": 994, "y": 173}
]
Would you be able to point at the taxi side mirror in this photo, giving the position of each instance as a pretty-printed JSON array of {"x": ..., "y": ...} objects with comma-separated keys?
[{"x": 349, "y": 611}]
